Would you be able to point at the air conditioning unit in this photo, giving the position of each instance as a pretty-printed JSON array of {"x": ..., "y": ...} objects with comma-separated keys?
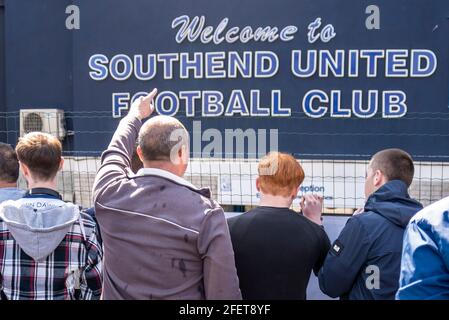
[{"x": 44, "y": 120}]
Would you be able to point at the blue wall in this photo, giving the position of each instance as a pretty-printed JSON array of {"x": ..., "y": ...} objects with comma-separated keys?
[
  {"x": 38, "y": 56},
  {"x": 2, "y": 68},
  {"x": 47, "y": 66}
]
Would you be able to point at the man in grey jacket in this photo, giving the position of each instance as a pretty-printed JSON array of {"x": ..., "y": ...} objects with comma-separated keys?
[{"x": 163, "y": 237}]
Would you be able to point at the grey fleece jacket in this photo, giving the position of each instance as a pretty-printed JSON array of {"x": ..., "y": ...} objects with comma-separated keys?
[{"x": 163, "y": 237}]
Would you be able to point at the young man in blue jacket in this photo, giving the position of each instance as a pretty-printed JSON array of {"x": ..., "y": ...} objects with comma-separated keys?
[
  {"x": 364, "y": 262},
  {"x": 425, "y": 255}
]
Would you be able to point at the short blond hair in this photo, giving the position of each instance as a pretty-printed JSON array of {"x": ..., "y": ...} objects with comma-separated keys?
[
  {"x": 41, "y": 153},
  {"x": 279, "y": 174}
]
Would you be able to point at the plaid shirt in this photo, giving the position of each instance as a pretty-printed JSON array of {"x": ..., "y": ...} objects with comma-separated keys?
[{"x": 72, "y": 271}]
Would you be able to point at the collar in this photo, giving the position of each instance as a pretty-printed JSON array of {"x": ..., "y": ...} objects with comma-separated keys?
[
  {"x": 391, "y": 188},
  {"x": 163, "y": 174},
  {"x": 39, "y": 192}
]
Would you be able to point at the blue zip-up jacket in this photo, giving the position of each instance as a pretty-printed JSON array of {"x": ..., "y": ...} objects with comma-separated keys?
[
  {"x": 364, "y": 262},
  {"x": 425, "y": 255}
]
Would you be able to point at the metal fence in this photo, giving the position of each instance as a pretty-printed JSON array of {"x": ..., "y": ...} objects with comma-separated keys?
[{"x": 232, "y": 181}]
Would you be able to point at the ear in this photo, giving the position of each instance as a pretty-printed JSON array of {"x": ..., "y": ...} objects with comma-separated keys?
[
  {"x": 139, "y": 153},
  {"x": 295, "y": 192},
  {"x": 258, "y": 184},
  {"x": 183, "y": 154},
  {"x": 25, "y": 170},
  {"x": 61, "y": 164},
  {"x": 378, "y": 178}
]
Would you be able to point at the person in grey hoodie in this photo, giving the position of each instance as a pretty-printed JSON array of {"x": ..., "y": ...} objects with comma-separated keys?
[
  {"x": 9, "y": 174},
  {"x": 163, "y": 237},
  {"x": 48, "y": 249}
]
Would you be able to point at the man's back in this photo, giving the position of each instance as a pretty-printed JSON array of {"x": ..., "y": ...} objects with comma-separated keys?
[
  {"x": 163, "y": 238},
  {"x": 49, "y": 251},
  {"x": 275, "y": 251},
  {"x": 154, "y": 248},
  {"x": 369, "y": 247},
  {"x": 425, "y": 255}
]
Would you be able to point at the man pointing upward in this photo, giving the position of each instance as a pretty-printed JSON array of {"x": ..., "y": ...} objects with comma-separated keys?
[{"x": 163, "y": 237}]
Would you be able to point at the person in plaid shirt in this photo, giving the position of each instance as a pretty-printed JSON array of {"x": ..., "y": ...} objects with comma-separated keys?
[{"x": 49, "y": 250}]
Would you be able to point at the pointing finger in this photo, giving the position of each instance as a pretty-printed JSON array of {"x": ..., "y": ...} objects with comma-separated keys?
[{"x": 151, "y": 95}]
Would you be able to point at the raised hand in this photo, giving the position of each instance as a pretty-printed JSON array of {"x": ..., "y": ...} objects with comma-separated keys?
[
  {"x": 143, "y": 107},
  {"x": 311, "y": 207}
]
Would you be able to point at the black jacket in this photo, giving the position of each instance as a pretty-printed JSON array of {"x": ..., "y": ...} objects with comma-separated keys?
[
  {"x": 275, "y": 251},
  {"x": 364, "y": 262}
]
